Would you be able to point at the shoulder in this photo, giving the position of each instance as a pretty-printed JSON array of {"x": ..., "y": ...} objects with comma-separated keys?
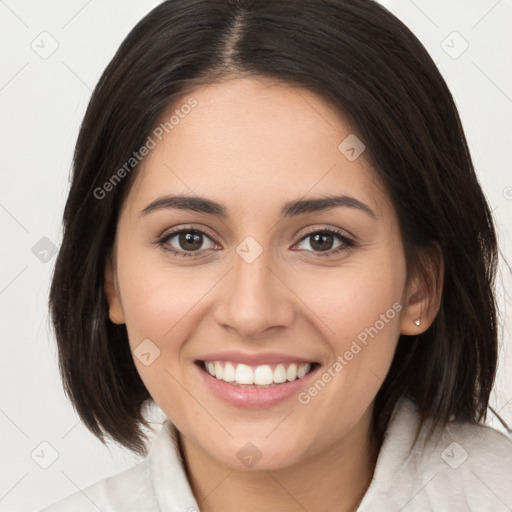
[
  {"x": 472, "y": 463},
  {"x": 461, "y": 467},
  {"x": 476, "y": 444},
  {"x": 125, "y": 491},
  {"x": 159, "y": 482}
]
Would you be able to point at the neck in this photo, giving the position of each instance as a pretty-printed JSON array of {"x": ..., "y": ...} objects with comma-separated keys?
[{"x": 334, "y": 479}]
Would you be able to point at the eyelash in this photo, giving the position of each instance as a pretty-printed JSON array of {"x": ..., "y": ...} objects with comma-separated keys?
[{"x": 346, "y": 242}]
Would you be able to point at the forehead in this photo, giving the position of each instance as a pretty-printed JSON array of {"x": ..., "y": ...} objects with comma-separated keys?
[{"x": 249, "y": 143}]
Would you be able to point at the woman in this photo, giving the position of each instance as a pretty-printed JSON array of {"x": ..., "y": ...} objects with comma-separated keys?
[{"x": 275, "y": 233}]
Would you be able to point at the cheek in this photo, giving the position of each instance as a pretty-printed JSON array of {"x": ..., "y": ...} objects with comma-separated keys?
[
  {"x": 358, "y": 310},
  {"x": 357, "y": 306},
  {"x": 157, "y": 298},
  {"x": 158, "y": 304},
  {"x": 353, "y": 297}
]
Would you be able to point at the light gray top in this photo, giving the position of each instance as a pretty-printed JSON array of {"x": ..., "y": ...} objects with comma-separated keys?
[{"x": 462, "y": 468}]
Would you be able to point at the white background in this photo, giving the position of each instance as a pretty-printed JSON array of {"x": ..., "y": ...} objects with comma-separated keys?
[{"x": 42, "y": 103}]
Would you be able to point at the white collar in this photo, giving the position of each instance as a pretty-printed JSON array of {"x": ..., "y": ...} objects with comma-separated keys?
[{"x": 168, "y": 472}]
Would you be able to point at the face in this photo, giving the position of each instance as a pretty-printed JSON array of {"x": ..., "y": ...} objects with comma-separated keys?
[{"x": 265, "y": 285}]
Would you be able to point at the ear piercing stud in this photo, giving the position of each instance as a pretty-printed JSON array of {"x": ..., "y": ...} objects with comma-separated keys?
[{"x": 417, "y": 322}]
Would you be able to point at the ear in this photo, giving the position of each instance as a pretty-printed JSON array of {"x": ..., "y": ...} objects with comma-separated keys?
[
  {"x": 115, "y": 309},
  {"x": 424, "y": 293}
]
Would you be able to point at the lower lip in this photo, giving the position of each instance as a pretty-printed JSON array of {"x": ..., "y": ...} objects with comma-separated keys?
[{"x": 254, "y": 398}]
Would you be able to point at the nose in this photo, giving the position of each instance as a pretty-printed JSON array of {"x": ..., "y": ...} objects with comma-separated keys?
[{"x": 254, "y": 298}]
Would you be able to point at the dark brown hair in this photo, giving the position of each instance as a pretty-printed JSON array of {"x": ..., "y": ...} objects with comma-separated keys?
[{"x": 366, "y": 63}]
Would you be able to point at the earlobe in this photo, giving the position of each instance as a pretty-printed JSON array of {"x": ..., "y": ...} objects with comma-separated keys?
[
  {"x": 413, "y": 320},
  {"x": 413, "y": 317},
  {"x": 424, "y": 298},
  {"x": 115, "y": 310}
]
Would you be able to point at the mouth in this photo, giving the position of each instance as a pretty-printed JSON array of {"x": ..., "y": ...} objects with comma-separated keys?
[{"x": 256, "y": 377}]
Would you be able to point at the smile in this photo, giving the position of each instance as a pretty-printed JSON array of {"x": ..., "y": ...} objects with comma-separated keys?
[
  {"x": 256, "y": 376},
  {"x": 255, "y": 387}
]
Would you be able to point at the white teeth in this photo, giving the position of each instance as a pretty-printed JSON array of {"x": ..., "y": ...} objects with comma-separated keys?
[
  {"x": 301, "y": 371},
  {"x": 280, "y": 373},
  {"x": 218, "y": 370},
  {"x": 229, "y": 372},
  {"x": 244, "y": 374},
  {"x": 262, "y": 375},
  {"x": 291, "y": 372}
]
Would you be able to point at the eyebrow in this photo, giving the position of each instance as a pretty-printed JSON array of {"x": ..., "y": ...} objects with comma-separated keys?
[{"x": 291, "y": 208}]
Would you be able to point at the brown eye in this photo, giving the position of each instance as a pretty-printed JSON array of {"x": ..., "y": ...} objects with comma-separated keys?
[
  {"x": 322, "y": 242},
  {"x": 190, "y": 241},
  {"x": 186, "y": 242}
]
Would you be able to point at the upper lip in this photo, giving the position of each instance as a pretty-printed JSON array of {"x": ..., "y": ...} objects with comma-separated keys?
[{"x": 256, "y": 359}]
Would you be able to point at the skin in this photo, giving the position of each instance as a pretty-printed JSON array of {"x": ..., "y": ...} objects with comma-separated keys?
[{"x": 252, "y": 145}]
